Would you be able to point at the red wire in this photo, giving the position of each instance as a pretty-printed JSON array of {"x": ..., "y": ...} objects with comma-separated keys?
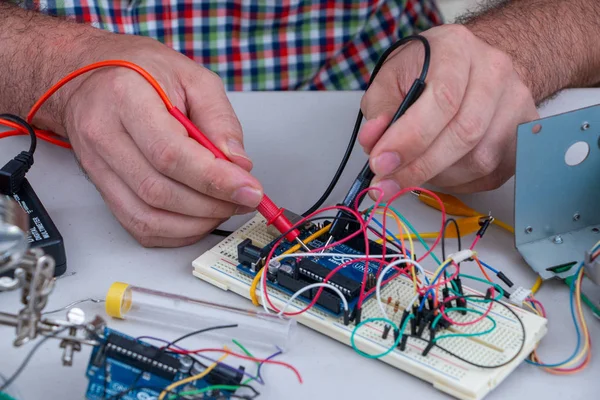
[
  {"x": 447, "y": 318},
  {"x": 475, "y": 242},
  {"x": 404, "y": 270},
  {"x": 53, "y": 138},
  {"x": 363, "y": 284},
  {"x": 581, "y": 366},
  {"x": 437, "y": 240},
  {"x": 366, "y": 258},
  {"x": 97, "y": 65},
  {"x": 300, "y": 223},
  {"x": 178, "y": 351},
  {"x": 14, "y": 132},
  {"x": 537, "y": 303},
  {"x": 47, "y": 136}
]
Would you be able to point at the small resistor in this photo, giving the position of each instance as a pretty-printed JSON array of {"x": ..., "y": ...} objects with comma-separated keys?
[
  {"x": 396, "y": 308},
  {"x": 389, "y": 300},
  {"x": 397, "y": 304},
  {"x": 371, "y": 281}
]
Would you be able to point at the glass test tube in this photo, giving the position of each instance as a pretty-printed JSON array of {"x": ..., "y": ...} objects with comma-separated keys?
[{"x": 145, "y": 305}]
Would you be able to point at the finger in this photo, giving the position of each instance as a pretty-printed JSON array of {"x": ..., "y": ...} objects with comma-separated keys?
[
  {"x": 169, "y": 242},
  {"x": 413, "y": 133},
  {"x": 119, "y": 151},
  {"x": 165, "y": 144},
  {"x": 210, "y": 109},
  {"x": 139, "y": 219}
]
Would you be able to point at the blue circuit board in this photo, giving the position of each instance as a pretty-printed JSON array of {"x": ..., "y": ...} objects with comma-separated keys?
[
  {"x": 123, "y": 376},
  {"x": 354, "y": 271}
]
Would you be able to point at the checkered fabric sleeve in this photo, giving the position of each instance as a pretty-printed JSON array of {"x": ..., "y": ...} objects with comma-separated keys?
[{"x": 262, "y": 44}]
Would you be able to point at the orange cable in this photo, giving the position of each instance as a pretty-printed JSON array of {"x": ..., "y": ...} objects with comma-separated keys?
[
  {"x": 91, "y": 67},
  {"x": 52, "y": 137},
  {"x": 482, "y": 269}
]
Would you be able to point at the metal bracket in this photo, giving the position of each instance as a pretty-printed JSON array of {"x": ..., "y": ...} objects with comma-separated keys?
[{"x": 557, "y": 206}]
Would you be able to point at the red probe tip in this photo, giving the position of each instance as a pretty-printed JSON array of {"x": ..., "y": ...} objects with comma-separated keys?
[{"x": 275, "y": 216}]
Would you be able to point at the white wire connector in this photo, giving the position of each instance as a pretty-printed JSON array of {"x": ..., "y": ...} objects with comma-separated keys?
[
  {"x": 519, "y": 296},
  {"x": 462, "y": 255}
]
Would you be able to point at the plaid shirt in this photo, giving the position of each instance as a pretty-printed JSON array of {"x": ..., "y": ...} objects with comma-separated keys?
[{"x": 264, "y": 45}]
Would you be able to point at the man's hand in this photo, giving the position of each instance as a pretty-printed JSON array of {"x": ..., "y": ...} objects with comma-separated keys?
[
  {"x": 163, "y": 187},
  {"x": 461, "y": 133}
]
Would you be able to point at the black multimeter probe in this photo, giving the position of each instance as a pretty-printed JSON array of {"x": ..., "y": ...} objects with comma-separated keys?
[{"x": 363, "y": 180}]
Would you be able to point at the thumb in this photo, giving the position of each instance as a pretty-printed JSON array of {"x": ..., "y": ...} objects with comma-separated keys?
[{"x": 210, "y": 110}]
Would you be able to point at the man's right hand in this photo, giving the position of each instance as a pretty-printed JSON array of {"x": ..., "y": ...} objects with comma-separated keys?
[{"x": 163, "y": 187}]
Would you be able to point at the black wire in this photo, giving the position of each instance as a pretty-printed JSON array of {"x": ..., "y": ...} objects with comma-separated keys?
[
  {"x": 187, "y": 335},
  {"x": 18, "y": 120},
  {"x": 359, "y": 118},
  {"x": 475, "y": 364},
  {"x": 160, "y": 351},
  {"x": 378, "y": 233},
  {"x": 28, "y": 357},
  {"x": 340, "y": 170},
  {"x": 448, "y": 222}
]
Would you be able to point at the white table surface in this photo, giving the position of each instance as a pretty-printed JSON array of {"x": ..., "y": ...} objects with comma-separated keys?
[{"x": 296, "y": 140}]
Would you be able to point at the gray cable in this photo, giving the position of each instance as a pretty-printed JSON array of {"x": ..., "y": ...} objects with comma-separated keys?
[
  {"x": 73, "y": 304},
  {"x": 31, "y": 353}
]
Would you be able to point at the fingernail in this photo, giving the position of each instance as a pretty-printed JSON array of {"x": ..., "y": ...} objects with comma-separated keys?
[
  {"x": 389, "y": 188},
  {"x": 241, "y": 210},
  {"x": 247, "y": 196},
  {"x": 236, "y": 148},
  {"x": 385, "y": 163}
]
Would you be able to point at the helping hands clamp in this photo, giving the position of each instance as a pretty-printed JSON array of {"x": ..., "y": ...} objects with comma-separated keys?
[{"x": 33, "y": 274}]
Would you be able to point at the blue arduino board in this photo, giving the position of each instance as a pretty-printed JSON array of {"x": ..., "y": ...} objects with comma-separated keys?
[
  {"x": 121, "y": 373},
  {"x": 353, "y": 271}
]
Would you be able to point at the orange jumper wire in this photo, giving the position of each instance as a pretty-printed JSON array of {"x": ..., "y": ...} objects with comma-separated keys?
[{"x": 273, "y": 214}]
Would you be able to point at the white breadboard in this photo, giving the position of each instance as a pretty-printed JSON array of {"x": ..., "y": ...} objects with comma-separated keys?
[{"x": 446, "y": 373}]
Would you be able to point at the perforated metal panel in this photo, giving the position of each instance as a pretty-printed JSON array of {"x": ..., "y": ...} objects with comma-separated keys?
[
  {"x": 556, "y": 204},
  {"x": 218, "y": 267}
]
